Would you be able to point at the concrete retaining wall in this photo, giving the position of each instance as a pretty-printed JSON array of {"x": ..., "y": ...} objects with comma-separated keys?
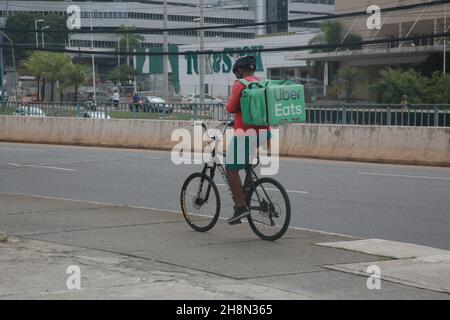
[{"x": 408, "y": 145}]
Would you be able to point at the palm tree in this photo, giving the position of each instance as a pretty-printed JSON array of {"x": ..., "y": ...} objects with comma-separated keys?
[
  {"x": 346, "y": 80},
  {"x": 53, "y": 65},
  {"x": 34, "y": 66},
  {"x": 74, "y": 75},
  {"x": 129, "y": 41},
  {"x": 332, "y": 34},
  {"x": 122, "y": 74}
]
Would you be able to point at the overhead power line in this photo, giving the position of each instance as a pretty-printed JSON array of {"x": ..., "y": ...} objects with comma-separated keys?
[
  {"x": 243, "y": 25},
  {"x": 231, "y": 50}
]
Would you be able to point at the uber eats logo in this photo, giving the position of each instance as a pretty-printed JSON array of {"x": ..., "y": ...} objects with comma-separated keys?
[{"x": 287, "y": 102}]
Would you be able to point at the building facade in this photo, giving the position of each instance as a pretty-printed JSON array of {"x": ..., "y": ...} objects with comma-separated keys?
[
  {"x": 425, "y": 55},
  {"x": 181, "y": 14}
]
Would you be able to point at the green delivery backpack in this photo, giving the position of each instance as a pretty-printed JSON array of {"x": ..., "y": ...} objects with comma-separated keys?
[{"x": 272, "y": 102}]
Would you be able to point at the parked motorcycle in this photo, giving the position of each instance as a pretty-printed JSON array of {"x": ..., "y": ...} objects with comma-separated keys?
[
  {"x": 90, "y": 105},
  {"x": 137, "y": 106}
]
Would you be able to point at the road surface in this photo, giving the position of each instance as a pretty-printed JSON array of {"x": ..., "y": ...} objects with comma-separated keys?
[{"x": 393, "y": 202}]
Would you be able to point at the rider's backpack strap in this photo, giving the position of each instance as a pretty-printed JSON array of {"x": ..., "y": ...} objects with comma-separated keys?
[{"x": 244, "y": 82}]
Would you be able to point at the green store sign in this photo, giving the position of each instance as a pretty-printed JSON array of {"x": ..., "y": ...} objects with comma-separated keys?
[
  {"x": 220, "y": 62},
  {"x": 153, "y": 64}
]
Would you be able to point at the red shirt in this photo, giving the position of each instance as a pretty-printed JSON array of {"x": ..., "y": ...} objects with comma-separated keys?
[{"x": 234, "y": 106}]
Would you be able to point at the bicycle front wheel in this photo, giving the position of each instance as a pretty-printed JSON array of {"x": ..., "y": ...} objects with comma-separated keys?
[
  {"x": 270, "y": 209},
  {"x": 200, "y": 202}
]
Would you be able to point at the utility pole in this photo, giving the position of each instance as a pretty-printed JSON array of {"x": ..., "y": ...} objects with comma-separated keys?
[
  {"x": 2, "y": 87},
  {"x": 165, "y": 58},
  {"x": 445, "y": 40},
  {"x": 93, "y": 58},
  {"x": 201, "y": 56},
  {"x": 13, "y": 61},
  {"x": 118, "y": 50}
]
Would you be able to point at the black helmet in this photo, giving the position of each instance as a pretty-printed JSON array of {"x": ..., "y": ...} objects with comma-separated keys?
[{"x": 246, "y": 62}]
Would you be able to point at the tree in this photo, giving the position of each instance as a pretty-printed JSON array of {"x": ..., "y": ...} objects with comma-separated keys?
[
  {"x": 122, "y": 74},
  {"x": 394, "y": 84},
  {"x": 25, "y": 20},
  {"x": 74, "y": 75},
  {"x": 332, "y": 34},
  {"x": 53, "y": 66},
  {"x": 129, "y": 41},
  {"x": 346, "y": 80},
  {"x": 34, "y": 66},
  {"x": 438, "y": 89}
]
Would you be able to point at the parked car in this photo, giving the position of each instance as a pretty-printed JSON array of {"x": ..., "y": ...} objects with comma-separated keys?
[
  {"x": 195, "y": 98},
  {"x": 156, "y": 105},
  {"x": 29, "y": 112},
  {"x": 96, "y": 115}
]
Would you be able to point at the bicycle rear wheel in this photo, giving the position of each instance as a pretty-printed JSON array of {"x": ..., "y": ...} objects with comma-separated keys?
[
  {"x": 270, "y": 209},
  {"x": 200, "y": 202}
]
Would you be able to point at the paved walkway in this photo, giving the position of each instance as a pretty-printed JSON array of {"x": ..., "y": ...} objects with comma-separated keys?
[{"x": 134, "y": 253}]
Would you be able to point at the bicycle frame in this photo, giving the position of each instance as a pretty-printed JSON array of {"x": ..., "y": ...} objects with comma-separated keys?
[{"x": 250, "y": 175}]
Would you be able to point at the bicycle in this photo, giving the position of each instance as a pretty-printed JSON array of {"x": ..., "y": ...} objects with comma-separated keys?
[{"x": 201, "y": 204}]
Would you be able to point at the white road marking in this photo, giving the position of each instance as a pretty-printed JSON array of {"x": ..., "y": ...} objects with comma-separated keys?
[
  {"x": 40, "y": 166},
  {"x": 27, "y": 150},
  {"x": 403, "y": 176},
  {"x": 14, "y": 164},
  {"x": 80, "y": 161},
  {"x": 152, "y": 158},
  {"x": 287, "y": 190},
  {"x": 54, "y": 168}
]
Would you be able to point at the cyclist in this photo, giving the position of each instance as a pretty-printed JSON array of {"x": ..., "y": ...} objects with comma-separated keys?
[{"x": 243, "y": 68}]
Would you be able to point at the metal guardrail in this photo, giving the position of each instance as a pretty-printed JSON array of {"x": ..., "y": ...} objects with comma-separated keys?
[
  {"x": 430, "y": 115},
  {"x": 425, "y": 115}
]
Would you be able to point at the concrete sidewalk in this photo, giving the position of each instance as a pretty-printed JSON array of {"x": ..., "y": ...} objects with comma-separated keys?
[{"x": 133, "y": 253}]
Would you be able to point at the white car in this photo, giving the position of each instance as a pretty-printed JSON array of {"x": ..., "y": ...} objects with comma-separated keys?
[
  {"x": 29, "y": 112},
  {"x": 96, "y": 115},
  {"x": 156, "y": 105}
]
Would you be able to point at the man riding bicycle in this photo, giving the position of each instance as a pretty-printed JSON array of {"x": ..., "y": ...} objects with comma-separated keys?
[{"x": 243, "y": 68}]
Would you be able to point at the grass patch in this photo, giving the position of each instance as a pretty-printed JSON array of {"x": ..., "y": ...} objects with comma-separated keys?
[{"x": 156, "y": 116}]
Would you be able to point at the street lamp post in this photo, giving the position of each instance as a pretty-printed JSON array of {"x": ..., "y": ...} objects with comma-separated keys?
[
  {"x": 36, "y": 21},
  {"x": 13, "y": 61},
  {"x": 445, "y": 41},
  {"x": 93, "y": 57},
  {"x": 2, "y": 71},
  {"x": 202, "y": 57},
  {"x": 42, "y": 35},
  {"x": 165, "y": 49}
]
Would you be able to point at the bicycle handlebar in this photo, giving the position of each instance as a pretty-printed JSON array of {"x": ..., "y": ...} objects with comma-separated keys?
[{"x": 226, "y": 124}]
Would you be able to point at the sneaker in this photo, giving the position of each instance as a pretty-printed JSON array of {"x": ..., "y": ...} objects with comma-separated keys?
[{"x": 239, "y": 213}]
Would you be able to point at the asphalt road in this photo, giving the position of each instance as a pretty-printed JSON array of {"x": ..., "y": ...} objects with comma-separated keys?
[{"x": 393, "y": 202}]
